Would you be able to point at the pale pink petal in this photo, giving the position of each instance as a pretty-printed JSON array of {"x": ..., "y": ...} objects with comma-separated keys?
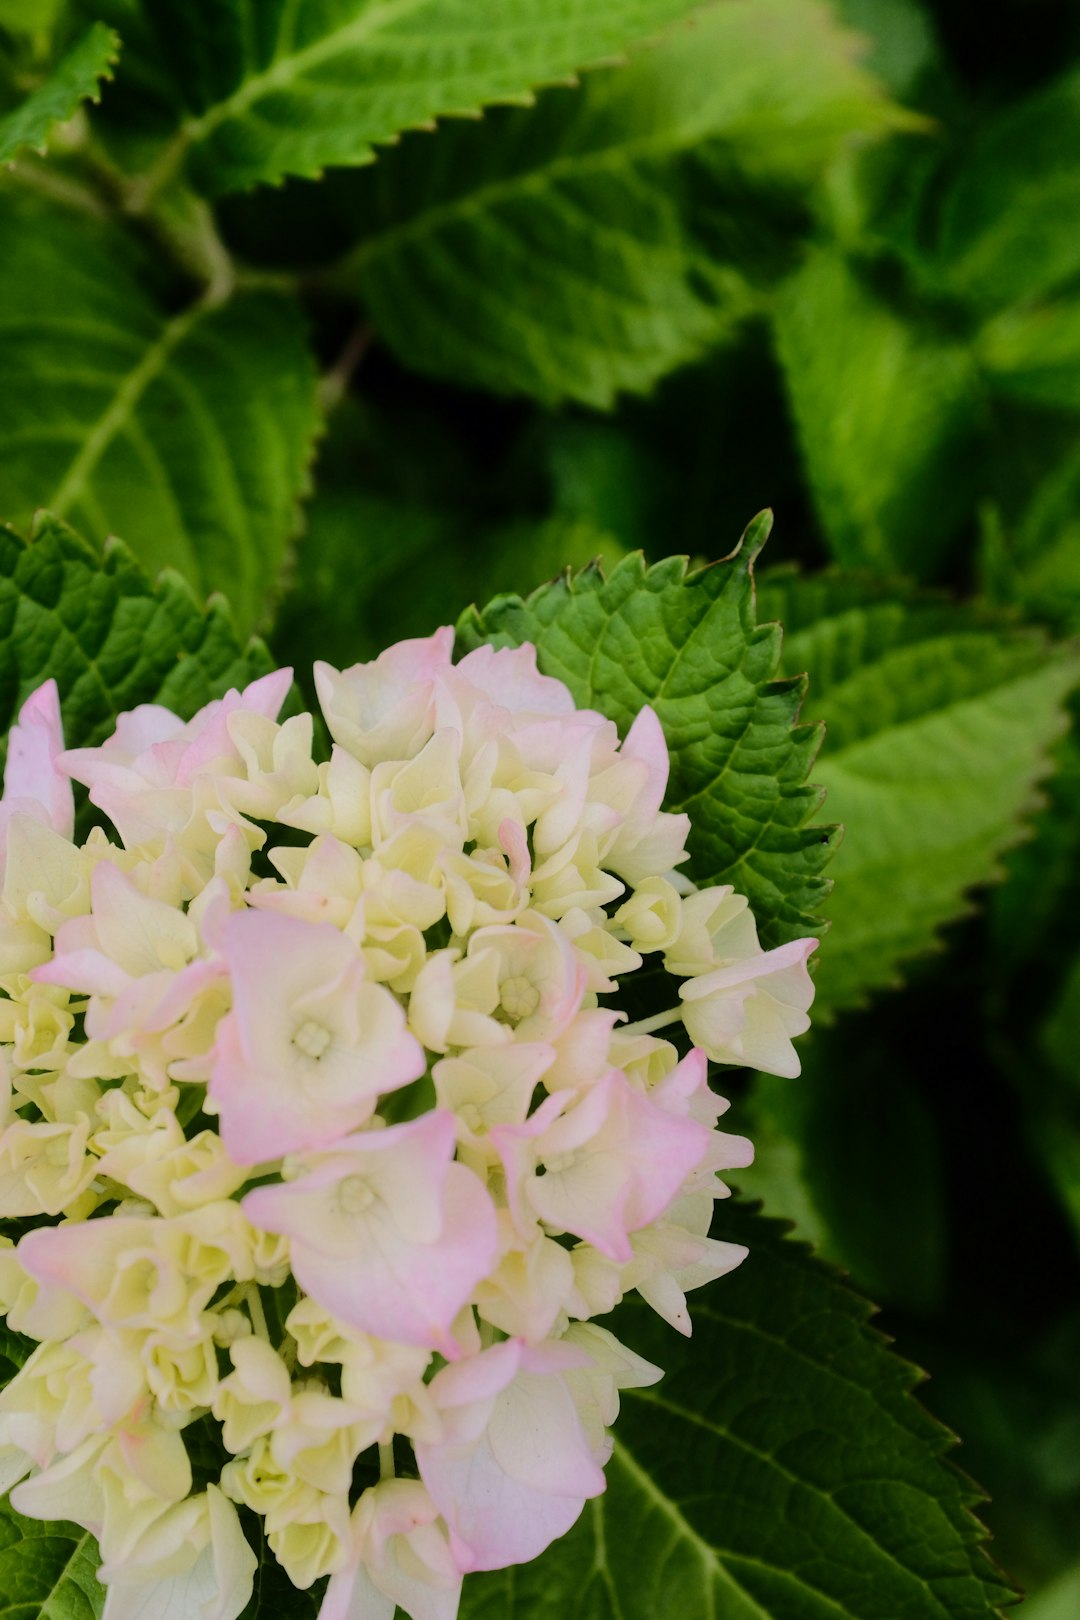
[
  {"x": 515, "y": 1468},
  {"x": 613, "y": 1161},
  {"x": 385, "y": 709},
  {"x": 645, "y": 741},
  {"x": 309, "y": 1046},
  {"x": 352, "y": 1595},
  {"x": 411, "y": 1293},
  {"x": 513, "y": 839},
  {"x": 34, "y": 778},
  {"x": 137, "y": 731},
  {"x": 510, "y": 678},
  {"x": 748, "y": 1011},
  {"x": 402, "y": 1558},
  {"x": 88, "y": 971},
  {"x": 266, "y": 695},
  {"x": 386, "y": 1232},
  {"x": 406, "y": 1549},
  {"x": 795, "y": 988},
  {"x": 81, "y": 1257}
]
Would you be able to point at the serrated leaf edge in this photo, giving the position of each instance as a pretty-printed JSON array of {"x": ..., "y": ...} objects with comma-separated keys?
[
  {"x": 184, "y": 143},
  {"x": 105, "y": 75},
  {"x": 912, "y": 1378},
  {"x": 744, "y": 554},
  {"x": 977, "y": 614}
]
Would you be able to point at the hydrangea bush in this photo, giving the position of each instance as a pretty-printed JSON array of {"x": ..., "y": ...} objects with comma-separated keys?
[
  {"x": 361, "y": 1070},
  {"x": 325, "y": 1137}
]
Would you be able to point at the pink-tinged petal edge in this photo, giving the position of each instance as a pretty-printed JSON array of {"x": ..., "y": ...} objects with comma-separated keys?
[{"x": 33, "y": 773}]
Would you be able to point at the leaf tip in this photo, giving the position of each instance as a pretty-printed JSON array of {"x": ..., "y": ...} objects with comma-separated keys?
[{"x": 753, "y": 538}]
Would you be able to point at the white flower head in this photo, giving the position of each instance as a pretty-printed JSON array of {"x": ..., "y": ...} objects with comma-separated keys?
[{"x": 328, "y": 1135}]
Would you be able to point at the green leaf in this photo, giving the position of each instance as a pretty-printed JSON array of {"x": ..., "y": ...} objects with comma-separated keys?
[
  {"x": 1008, "y": 222},
  {"x": 372, "y": 570},
  {"x": 1056, "y": 1122},
  {"x": 75, "y": 79},
  {"x": 939, "y": 720},
  {"x": 1033, "y": 1004},
  {"x": 851, "y": 1154},
  {"x": 599, "y": 473},
  {"x": 1032, "y": 353},
  {"x": 886, "y": 409},
  {"x": 781, "y": 1471},
  {"x": 29, "y": 16},
  {"x": 590, "y": 244},
  {"x": 1010, "y": 1389},
  {"x": 399, "y": 536},
  {"x": 109, "y": 638},
  {"x": 1061, "y": 1601},
  {"x": 1053, "y": 1126},
  {"x": 188, "y": 431},
  {"x": 48, "y": 1570},
  {"x": 689, "y": 645},
  {"x": 652, "y": 474},
  {"x": 1033, "y": 561},
  {"x": 15, "y": 1347},
  {"x": 279, "y": 87},
  {"x": 904, "y": 49},
  {"x": 1034, "y": 917}
]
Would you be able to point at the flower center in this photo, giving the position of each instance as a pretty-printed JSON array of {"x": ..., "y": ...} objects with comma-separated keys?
[
  {"x": 312, "y": 1039},
  {"x": 58, "y": 1151},
  {"x": 518, "y": 997},
  {"x": 355, "y": 1194},
  {"x": 559, "y": 1162}
]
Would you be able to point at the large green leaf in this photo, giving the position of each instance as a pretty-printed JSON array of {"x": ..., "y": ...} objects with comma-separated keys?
[
  {"x": 939, "y": 721},
  {"x": 1032, "y": 352},
  {"x": 1053, "y": 1127},
  {"x": 904, "y": 48},
  {"x": 1008, "y": 226},
  {"x": 1059, "y": 1601},
  {"x": 781, "y": 1471},
  {"x": 109, "y": 638},
  {"x": 77, "y": 78},
  {"x": 851, "y": 1154},
  {"x": 885, "y": 408},
  {"x": 399, "y": 538},
  {"x": 689, "y": 645},
  {"x": 187, "y": 431},
  {"x": 1034, "y": 916},
  {"x": 1054, "y": 1119},
  {"x": 279, "y": 87},
  {"x": 48, "y": 1571},
  {"x": 1033, "y": 562},
  {"x": 594, "y": 242},
  {"x": 1033, "y": 1004},
  {"x": 29, "y": 16},
  {"x": 372, "y": 570},
  {"x": 1009, "y": 1387}
]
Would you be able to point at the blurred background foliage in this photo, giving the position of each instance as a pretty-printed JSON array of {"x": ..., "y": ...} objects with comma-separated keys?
[{"x": 819, "y": 257}]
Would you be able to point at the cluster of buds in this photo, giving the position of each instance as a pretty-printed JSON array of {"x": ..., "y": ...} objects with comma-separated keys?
[{"x": 323, "y": 1140}]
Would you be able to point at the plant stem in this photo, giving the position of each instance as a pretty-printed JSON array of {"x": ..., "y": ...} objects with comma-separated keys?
[
  {"x": 255, "y": 1310},
  {"x": 62, "y": 188},
  {"x": 657, "y": 1021},
  {"x": 179, "y": 221},
  {"x": 334, "y": 384},
  {"x": 145, "y": 188}
]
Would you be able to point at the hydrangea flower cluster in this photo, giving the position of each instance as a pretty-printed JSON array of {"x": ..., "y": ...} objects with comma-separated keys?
[{"x": 323, "y": 1146}]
